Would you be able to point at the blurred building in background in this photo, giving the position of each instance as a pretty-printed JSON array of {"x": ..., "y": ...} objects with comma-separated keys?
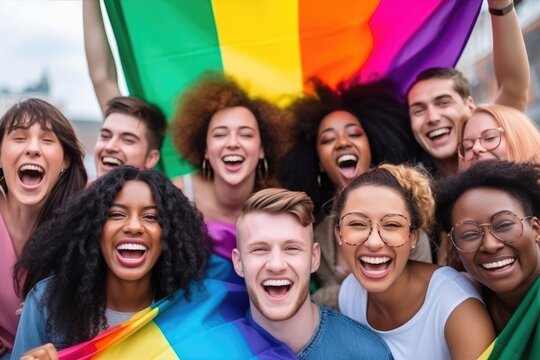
[{"x": 477, "y": 62}]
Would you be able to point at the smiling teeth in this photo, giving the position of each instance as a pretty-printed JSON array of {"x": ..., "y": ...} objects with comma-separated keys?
[
  {"x": 111, "y": 160},
  {"x": 131, "y": 247},
  {"x": 277, "y": 282},
  {"x": 31, "y": 167},
  {"x": 438, "y": 132},
  {"x": 498, "y": 264},
  {"x": 348, "y": 157},
  {"x": 375, "y": 260},
  {"x": 233, "y": 158}
]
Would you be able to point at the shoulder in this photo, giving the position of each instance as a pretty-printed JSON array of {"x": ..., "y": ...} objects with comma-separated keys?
[
  {"x": 336, "y": 331},
  {"x": 37, "y": 293},
  {"x": 453, "y": 281}
]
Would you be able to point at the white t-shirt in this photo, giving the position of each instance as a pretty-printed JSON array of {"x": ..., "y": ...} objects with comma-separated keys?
[{"x": 422, "y": 337}]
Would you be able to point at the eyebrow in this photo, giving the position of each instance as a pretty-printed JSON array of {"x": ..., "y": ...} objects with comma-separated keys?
[
  {"x": 148, "y": 207},
  {"x": 124, "y": 133},
  {"x": 352, "y": 124},
  {"x": 223, "y": 127},
  {"x": 437, "y": 98}
]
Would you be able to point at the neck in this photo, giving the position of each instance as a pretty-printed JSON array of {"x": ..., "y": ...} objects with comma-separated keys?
[
  {"x": 128, "y": 296},
  {"x": 296, "y": 331},
  {"x": 446, "y": 167},
  {"x": 19, "y": 220},
  {"x": 230, "y": 198}
]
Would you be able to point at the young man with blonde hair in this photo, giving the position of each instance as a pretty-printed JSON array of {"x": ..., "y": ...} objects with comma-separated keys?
[{"x": 276, "y": 256}]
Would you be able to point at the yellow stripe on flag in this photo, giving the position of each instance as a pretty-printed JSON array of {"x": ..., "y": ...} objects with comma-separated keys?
[
  {"x": 148, "y": 343},
  {"x": 261, "y": 51}
]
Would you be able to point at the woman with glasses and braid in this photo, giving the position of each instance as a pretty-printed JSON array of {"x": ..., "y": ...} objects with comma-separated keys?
[
  {"x": 491, "y": 212},
  {"x": 498, "y": 132},
  {"x": 421, "y": 311}
]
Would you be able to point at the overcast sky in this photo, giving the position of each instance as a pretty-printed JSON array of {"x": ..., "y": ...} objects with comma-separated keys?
[{"x": 47, "y": 35}]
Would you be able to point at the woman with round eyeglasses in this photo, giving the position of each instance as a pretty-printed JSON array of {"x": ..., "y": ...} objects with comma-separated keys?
[
  {"x": 491, "y": 212},
  {"x": 498, "y": 132},
  {"x": 422, "y": 311}
]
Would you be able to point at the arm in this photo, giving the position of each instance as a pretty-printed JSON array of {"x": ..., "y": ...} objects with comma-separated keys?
[
  {"x": 31, "y": 331},
  {"x": 509, "y": 58},
  {"x": 100, "y": 60},
  {"x": 469, "y": 330}
]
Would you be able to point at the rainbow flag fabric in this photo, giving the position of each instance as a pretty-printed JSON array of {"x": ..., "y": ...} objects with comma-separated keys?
[
  {"x": 274, "y": 46},
  {"x": 520, "y": 338},
  {"x": 212, "y": 325}
]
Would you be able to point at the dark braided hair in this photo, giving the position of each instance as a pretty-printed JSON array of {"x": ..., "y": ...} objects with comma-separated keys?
[{"x": 68, "y": 247}]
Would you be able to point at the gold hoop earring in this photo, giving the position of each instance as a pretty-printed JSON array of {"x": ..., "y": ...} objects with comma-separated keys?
[
  {"x": 206, "y": 170},
  {"x": 262, "y": 170}
]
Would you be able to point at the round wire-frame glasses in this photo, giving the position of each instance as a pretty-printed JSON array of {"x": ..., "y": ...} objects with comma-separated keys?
[
  {"x": 355, "y": 228},
  {"x": 489, "y": 139}
]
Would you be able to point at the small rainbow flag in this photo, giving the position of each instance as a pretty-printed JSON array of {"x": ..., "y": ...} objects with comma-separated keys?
[
  {"x": 212, "y": 325},
  {"x": 520, "y": 338},
  {"x": 275, "y": 46}
]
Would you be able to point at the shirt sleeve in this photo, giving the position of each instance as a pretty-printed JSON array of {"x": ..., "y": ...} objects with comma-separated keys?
[{"x": 31, "y": 332}]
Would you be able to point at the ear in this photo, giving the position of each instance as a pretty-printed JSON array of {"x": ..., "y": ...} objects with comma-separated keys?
[
  {"x": 261, "y": 152},
  {"x": 414, "y": 238},
  {"x": 535, "y": 224},
  {"x": 66, "y": 163},
  {"x": 237, "y": 262},
  {"x": 337, "y": 237},
  {"x": 152, "y": 159},
  {"x": 470, "y": 103},
  {"x": 315, "y": 257}
]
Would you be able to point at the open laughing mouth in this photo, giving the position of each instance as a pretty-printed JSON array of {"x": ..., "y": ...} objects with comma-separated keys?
[
  {"x": 375, "y": 265},
  {"x": 111, "y": 161},
  {"x": 439, "y": 133},
  {"x": 233, "y": 159},
  {"x": 347, "y": 165},
  {"x": 31, "y": 174},
  {"x": 499, "y": 265},
  {"x": 131, "y": 254},
  {"x": 277, "y": 288}
]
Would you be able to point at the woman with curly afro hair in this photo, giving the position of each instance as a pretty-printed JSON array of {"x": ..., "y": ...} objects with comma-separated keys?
[
  {"x": 128, "y": 240},
  {"x": 235, "y": 142}
]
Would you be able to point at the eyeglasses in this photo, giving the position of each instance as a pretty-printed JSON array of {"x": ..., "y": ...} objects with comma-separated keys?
[
  {"x": 506, "y": 227},
  {"x": 355, "y": 228},
  {"x": 490, "y": 139}
]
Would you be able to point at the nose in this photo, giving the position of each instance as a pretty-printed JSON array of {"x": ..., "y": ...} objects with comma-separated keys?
[
  {"x": 276, "y": 262},
  {"x": 374, "y": 240},
  {"x": 477, "y": 147},
  {"x": 33, "y": 149},
  {"x": 111, "y": 144},
  {"x": 133, "y": 225},
  {"x": 490, "y": 244},
  {"x": 232, "y": 141},
  {"x": 342, "y": 141},
  {"x": 432, "y": 114}
]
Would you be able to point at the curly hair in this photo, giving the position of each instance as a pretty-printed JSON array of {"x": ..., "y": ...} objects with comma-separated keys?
[
  {"x": 32, "y": 111},
  {"x": 68, "y": 247},
  {"x": 522, "y": 136},
  {"x": 384, "y": 118},
  {"x": 412, "y": 183},
  {"x": 214, "y": 92},
  {"x": 519, "y": 180}
]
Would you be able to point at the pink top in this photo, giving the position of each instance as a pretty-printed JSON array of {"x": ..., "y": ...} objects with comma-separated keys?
[{"x": 9, "y": 302}]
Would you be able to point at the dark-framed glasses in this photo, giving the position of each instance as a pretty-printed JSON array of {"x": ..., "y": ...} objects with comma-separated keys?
[
  {"x": 467, "y": 236},
  {"x": 490, "y": 139},
  {"x": 355, "y": 228}
]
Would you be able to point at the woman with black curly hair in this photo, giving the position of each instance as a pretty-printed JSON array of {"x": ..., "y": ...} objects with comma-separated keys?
[
  {"x": 41, "y": 167},
  {"x": 338, "y": 135},
  {"x": 491, "y": 212},
  {"x": 130, "y": 239},
  {"x": 235, "y": 142}
]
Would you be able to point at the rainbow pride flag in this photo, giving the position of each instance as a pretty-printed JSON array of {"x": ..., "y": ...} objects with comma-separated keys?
[
  {"x": 520, "y": 338},
  {"x": 212, "y": 325},
  {"x": 274, "y": 46}
]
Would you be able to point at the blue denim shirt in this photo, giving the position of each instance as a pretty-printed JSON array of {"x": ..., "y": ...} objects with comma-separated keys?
[{"x": 340, "y": 337}]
